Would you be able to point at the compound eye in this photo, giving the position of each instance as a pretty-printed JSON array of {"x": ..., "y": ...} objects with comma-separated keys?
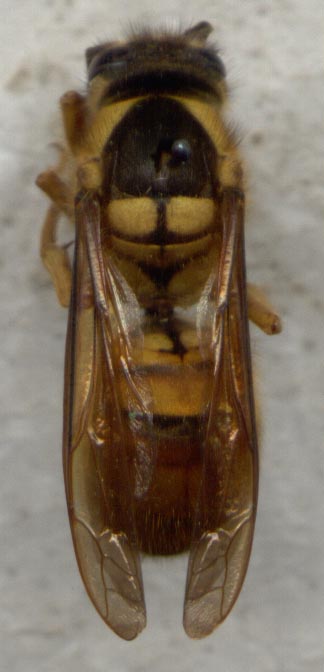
[{"x": 180, "y": 151}]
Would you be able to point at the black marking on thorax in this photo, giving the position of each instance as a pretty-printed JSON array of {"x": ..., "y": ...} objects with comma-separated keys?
[
  {"x": 139, "y": 160},
  {"x": 161, "y": 277},
  {"x": 160, "y": 236}
]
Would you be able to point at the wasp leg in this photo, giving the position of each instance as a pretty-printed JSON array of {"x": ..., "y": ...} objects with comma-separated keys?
[
  {"x": 74, "y": 118},
  {"x": 55, "y": 257},
  {"x": 261, "y": 312},
  {"x": 57, "y": 190}
]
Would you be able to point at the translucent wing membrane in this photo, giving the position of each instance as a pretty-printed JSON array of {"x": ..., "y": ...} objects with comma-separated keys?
[
  {"x": 227, "y": 501},
  {"x": 103, "y": 384},
  {"x": 95, "y": 459}
]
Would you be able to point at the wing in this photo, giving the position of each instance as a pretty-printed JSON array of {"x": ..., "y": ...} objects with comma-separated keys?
[
  {"x": 227, "y": 503},
  {"x": 96, "y": 466}
]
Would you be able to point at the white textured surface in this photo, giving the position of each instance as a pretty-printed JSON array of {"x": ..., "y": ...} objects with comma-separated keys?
[{"x": 274, "y": 56}]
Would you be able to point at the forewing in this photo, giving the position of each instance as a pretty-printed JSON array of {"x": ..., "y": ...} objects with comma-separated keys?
[
  {"x": 227, "y": 503},
  {"x": 95, "y": 462}
]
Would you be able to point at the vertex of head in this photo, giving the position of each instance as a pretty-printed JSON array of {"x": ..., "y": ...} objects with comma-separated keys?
[{"x": 161, "y": 63}]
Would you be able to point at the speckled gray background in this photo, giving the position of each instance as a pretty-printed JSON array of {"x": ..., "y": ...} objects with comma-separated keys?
[{"x": 274, "y": 55}]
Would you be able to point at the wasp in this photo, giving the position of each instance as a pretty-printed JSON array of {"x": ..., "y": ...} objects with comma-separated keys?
[{"x": 160, "y": 446}]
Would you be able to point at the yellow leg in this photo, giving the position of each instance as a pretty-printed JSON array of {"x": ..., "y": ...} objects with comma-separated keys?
[
  {"x": 261, "y": 312},
  {"x": 57, "y": 190},
  {"x": 55, "y": 257}
]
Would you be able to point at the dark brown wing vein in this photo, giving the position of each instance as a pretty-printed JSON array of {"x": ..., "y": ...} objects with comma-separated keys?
[
  {"x": 227, "y": 502},
  {"x": 95, "y": 461}
]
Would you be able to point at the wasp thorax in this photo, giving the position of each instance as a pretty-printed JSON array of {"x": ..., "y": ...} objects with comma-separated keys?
[{"x": 160, "y": 149}]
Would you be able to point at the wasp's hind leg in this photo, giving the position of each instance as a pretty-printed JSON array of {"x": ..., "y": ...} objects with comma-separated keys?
[
  {"x": 261, "y": 312},
  {"x": 55, "y": 257}
]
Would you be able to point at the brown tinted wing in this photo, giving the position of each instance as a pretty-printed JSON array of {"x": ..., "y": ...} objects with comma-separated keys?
[
  {"x": 227, "y": 502},
  {"x": 95, "y": 464}
]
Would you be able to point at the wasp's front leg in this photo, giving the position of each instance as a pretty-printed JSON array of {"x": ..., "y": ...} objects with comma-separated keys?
[
  {"x": 54, "y": 256},
  {"x": 261, "y": 312},
  {"x": 61, "y": 184}
]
